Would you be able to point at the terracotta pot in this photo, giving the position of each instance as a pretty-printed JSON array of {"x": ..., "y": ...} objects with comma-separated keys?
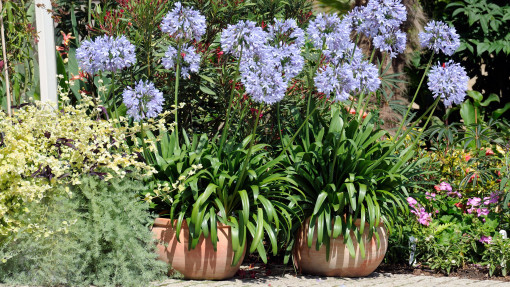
[
  {"x": 341, "y": 263},
  {"x": 202, "y": 263}
]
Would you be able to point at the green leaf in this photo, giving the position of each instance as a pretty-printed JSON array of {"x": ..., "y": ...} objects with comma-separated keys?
[
  {"x": 259, "y": 232},
  {"x": 214, "y": 227},
  {"x": 320, "y": 199},
  {"x": 207, "y": 90},
  {"x": 246, "y": 205}
]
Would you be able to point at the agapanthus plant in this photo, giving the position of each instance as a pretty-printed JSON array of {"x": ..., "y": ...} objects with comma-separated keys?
[
  {"x": 184, "y": 24},
  {"x": 244, "y": 37},
  {"x": 439, "y": 37},
  {"x": 449, "y": 82},
  {"x": 106, "y": 53},
  {"x": 144, "y": 101},
  {"x": 190, "y": 60}
]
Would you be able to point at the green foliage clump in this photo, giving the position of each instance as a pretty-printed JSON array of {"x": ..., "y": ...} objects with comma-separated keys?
[{"x": 99, "y": 236}]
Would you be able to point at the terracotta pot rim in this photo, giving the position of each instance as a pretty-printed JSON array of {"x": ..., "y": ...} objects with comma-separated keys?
[{"x": 166, "y": 222}]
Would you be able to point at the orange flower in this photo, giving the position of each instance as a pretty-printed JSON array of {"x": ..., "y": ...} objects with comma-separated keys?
[{"x": 66, "y": 38}]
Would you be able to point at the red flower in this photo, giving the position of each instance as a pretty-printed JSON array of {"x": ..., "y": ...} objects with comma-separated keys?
[{"x": 489, "y": 152}]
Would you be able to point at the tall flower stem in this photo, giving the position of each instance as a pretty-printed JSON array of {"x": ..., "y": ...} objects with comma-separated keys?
[
  {"x": 250, "y": 148},
  {"x": 430, "y": 111},
  {"x": 299, "y": 130},
  {"x": 361, "y": 97},
  {"x": 414, "y": 97},
  {"x": 176, "y": 93},
  {"x": 231, "y": 99},
  {"x": 279, "y": 122},
  {"x": 311, "y": 87}
]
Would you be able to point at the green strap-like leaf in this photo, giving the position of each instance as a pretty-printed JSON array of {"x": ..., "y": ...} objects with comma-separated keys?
[
  {"x": 214, "y": 227},
  {"x": 259, "y": 232},
  {"x": 245, "y": 204},
  {"x": 320, "y": 199}
]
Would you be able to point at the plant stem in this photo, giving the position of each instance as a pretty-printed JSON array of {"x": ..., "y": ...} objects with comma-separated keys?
[
  {"x": 414, "y": 97},
  {"x": 279, "y": 122},
  {"x": 176, "y": 94},
  {"x": 297, "y": 132},
  {"x": 231, "y": 99},
  {"x": 363, "y": 92},
  {"x": 394, "y": 146},
  {"x": 311, "y": 87},
  {"x": 250, "y": 148}
]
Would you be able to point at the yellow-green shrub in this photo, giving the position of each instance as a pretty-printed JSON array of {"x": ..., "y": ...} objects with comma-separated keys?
[{"x": 41, "y": 147}]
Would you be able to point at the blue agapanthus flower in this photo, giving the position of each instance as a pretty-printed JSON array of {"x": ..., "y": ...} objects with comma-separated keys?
[
  {"x": 378, "y": 17},
  {"x": 325, "y": 28},
  {"x": 366, "y": 75},
  {"x": 105, "y": 53},
  {"x": 245, "y": 36},
  {"x": 448, "y": 81},
  {"x": 393, "y": 43},
  {"x": 184, "y": 23},
  {"x": 438, "y": 36},
  {"x": 287, "y": 39},
  {"x": 336, "y": 79},
  {"x": 262, "y": 76},
  {"x": 286, "y": 33},
  {"x": 190, "y": 60},
  {"x": 144, "y": 101}
]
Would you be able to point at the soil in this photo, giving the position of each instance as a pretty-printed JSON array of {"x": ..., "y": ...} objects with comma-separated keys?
[{"x": 473, "y": 271}]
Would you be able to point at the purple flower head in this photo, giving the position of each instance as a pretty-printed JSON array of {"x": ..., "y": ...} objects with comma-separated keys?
[
  {"x": 325, "y": 28},
  {"x": 262, "y": 76},
  {"x": 493, "y": 198},
  {"x": 338, "y": 80},
  {"x": 379, "y": 17},
  {"x": 411, "y": 201},
  {"x": 448, "y": 81},
  {"x": 144, "y": 101},
  {"x": 105, "y": 53},
  {"x": 366, "y": 75},
  {"x": 184, "y": 23},
  {"x": 243, "y": 36},
  {"x": 286, "y": 33},
  {"x": 286, "y": 40},
  {"x": 392, "y": 42},
  {"x": 438, "y": 36},
  {"x": 485, "y": 239},
  {"x": 190, "y": 60},
  {"x": 445, "y": 186},
  {"x": 475, "y": 201}
]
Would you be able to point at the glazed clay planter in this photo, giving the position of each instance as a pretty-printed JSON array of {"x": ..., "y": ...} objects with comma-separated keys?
[
  {"x": 201, "y": 263},
  {"x": 341, "y": 263}
]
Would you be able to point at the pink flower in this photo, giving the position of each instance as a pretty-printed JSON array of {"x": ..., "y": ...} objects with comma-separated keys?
[
  {"x": 445, "y": 186},
  {"x": 412, "y": 202},
  {"x": 482, "y": 211},
  {"x": 475, "y": 201},
  {"x": 489, "y": 152},
  {"x": 430, "y": 196},
  {"x": 485, "y": 239},
  {"x": 467, "y": 157}
]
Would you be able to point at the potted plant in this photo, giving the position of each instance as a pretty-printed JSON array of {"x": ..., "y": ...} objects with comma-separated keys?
[
  {"x": 206, "y": 217},
  {"x": 351, "y": 173}
]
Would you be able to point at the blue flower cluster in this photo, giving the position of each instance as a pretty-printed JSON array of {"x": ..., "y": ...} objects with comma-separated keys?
[
  {"x": 381, "y": 20},
  {"x": 438, "y": 36},
  {"x": 144, "y": 101},
  {"x": 105, "y": 53},
  {"x": 448, "y": 81},
  {"x": 269, "y": 60},
  {"x": 184, "y": 23},
  {"x": 244, "y": 36},
  {"x": 345, "y": 70},
  {"x": 190, "y": 60}
]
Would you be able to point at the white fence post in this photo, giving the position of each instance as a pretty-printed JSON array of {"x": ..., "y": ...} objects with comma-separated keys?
[{"x": 46, "y": 52}]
